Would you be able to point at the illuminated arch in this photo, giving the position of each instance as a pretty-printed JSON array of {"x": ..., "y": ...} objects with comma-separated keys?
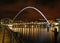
[
  {"x": 8, "y": 20},
  {"x": 34, "y": 9}
]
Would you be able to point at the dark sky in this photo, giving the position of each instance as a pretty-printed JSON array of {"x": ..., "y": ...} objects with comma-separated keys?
[{"x": 9, "y": 8}]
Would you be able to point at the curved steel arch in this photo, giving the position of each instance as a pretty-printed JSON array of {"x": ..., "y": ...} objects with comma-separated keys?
[{"x": 34, "y": 9}]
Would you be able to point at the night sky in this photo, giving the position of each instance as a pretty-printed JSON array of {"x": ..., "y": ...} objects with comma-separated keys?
[{"x": 9, "y": 8}]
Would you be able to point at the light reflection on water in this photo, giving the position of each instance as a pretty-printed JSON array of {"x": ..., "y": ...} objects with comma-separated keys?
[
  {"x": 34, "y": 32},
  {"x": 38, "y": 34}
]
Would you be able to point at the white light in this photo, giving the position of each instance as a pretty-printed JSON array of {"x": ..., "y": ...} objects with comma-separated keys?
[
  {"x": 56, "y": 23},
  {"x": 10, "y": 26}
]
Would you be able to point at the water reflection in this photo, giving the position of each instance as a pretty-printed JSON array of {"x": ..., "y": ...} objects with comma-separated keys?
[
  {"x": 34, "y": 32},
  {"x": 38, "y": 35}
]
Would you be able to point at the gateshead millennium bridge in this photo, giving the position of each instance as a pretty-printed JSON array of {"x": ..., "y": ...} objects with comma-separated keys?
[
  {"x": 10, "y": 23},
  {"x": 20, "y": 31},
  {"x": 29, "y": 23}
]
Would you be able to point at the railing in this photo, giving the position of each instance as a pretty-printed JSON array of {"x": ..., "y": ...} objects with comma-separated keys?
[{"x": 10, "y": 35}]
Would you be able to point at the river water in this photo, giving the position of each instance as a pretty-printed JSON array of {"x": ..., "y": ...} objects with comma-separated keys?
[{"x": 38, "y": 35}]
